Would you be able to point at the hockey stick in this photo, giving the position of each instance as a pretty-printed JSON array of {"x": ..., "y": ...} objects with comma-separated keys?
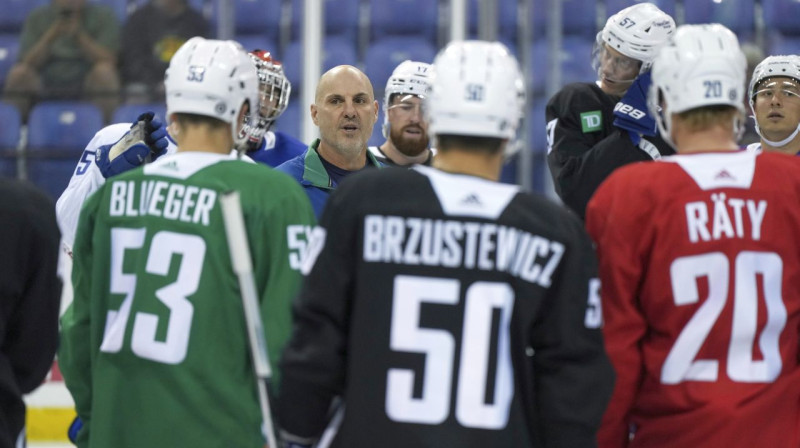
[{"x": 243, "y": 267}]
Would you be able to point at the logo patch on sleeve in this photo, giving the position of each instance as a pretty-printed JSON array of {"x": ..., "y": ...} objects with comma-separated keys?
[{"x": 591, "y": 121}]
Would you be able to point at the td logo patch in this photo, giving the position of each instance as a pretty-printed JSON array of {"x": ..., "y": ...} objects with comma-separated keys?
[{"x": 591, "y": 121}]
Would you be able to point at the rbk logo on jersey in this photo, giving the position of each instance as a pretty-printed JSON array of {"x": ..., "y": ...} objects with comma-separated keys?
[{"x": 591, "y": 121}]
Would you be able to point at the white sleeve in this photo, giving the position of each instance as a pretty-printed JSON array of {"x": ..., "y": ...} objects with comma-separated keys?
[{"x": 86, "y": 179}]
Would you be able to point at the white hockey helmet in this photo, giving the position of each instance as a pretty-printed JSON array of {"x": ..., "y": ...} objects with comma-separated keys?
[
  {"x": 274, "y": 89},
  {"x": 702, "y": 65},
  {"x": 478, "y": 90},
  {"x": 638, "y": 32},
  {"x": 214, "y": 78},
  {"x": 787, "y": 66},
  {"x": 408, "y": 78}
]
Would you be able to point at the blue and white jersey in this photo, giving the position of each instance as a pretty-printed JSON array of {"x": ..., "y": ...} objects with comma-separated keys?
[{"x": 86, "y": 179}]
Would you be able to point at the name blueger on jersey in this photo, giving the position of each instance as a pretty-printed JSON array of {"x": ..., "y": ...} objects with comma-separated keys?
[
  {"x": 453, "y": 244},
  {"x": 187, "y": 203}
]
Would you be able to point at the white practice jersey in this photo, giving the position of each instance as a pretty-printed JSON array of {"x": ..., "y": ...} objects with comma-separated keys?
[{"x": 87, "y": 178}]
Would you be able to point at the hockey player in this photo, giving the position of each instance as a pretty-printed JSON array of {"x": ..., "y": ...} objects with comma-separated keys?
[
  {"x": 444, "y": 308},
  {"x": 263, "y": 145},
  {"x": 594, "y": 128},
  {"x": 345, "y": 111},
  {"x": 700, "y": 266},
  {"x": 100, "y": 158},
  {"x": 404, "y": 127},
  {"x": 774, "y": 95},
  {"x": 29, "y": 298},
  {"x": 154, "y": 349}
]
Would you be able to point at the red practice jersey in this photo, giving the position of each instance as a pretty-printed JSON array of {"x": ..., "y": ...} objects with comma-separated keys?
[{"x": 700, "y": 270}]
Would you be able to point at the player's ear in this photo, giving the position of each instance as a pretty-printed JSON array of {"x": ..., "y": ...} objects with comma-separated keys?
[
  {"x": 376, "y": 107},
  {"x": 314, "y": 114}
]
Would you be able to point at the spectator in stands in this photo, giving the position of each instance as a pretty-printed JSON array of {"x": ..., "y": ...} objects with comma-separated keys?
[
  {"x": 404, "y": 127},
  {"x": 150, "y": 37},
  {"x": 30, "y": 293},
  {"x": 68, "y": 50},
  {"x": 345, "y": 111}
]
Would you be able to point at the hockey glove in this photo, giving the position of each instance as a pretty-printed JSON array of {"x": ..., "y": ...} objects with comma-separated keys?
[
  {"x": 74, "y": 429},
  {"x": 144, "y": 142},
  {"x": 631, "y": 112}
]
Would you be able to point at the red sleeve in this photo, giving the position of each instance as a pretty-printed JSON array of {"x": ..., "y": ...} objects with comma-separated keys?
[{"x": 616, "y": 218}]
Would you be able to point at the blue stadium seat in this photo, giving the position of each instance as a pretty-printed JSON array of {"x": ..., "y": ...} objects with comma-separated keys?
[
  {"x": 668, "y": 6},
  {"x": 336, "y": 51},
  {"x": 405, "y": 17},
  {"x": 507, "y": 12},
  {"x": 126, "y": 113},
  {"x": 341, "y": 18},
  {"x": 290, "y": 122},
  {"x": 9, "y": 49},
  {"x": 575, "y": 58},
  {"x": 15, "y": 12},
  {"x": 250, "y": 16},
  {"x": 57, "y": 133},
  {"x": 784, "y": 44},
  {"x": 384, "y": 55},
  {"x": 579, "y": 17},
  {"x": 782, "y": 16},
  {"x": 252, "y": 42},
  {"x": 535, "y": 118},
  {"x": 9, "y": 138},
  {"x": 735, "y": 14},
  {"x": 376, "y": 138}
]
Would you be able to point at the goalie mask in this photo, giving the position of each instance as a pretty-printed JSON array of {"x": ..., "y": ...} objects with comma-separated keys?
[
  {"x": 214, "y": 78},
  {"x": 274, "y": 90}
]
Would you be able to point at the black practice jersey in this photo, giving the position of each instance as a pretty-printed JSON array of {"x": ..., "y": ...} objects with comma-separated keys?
[
  {"x": 446, "y": 311},
  {"x": 30, "y": 293},
  {"x": 584, "y": 146}
]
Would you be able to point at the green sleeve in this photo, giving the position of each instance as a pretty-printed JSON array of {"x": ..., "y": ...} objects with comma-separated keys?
[
  {"x": 74, "y": 353},
  {"x": 33, "y": 29},
  {"x": 283, "y": 276},
  {"x": 104, "y": 27}
]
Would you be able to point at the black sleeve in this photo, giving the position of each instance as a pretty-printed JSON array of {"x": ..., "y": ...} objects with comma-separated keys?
[
  {"x": 573, "y": 375},
  {"x": 136, "y": 48},
  {"x": 31, "y": 289},
  {"x": 581, "y": 156},
  {"x": 581, "y": 175},
  {"x": 313, "y": 363},
  {"x": 578, "y": 118}
]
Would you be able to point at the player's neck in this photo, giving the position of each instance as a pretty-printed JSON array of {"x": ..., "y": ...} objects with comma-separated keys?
[
  {"x": 792, "y": 148},
  {"x": 487, "y": 166},
  {"x": 714, "y": 139},
  {"x": 399, "y": 158},
  {"x": 345, "y": 161},
  {"x": 204, "y": 139}
]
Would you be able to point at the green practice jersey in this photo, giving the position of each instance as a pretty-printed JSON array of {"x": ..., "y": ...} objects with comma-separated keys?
[{"x": 154, "y": 347}]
